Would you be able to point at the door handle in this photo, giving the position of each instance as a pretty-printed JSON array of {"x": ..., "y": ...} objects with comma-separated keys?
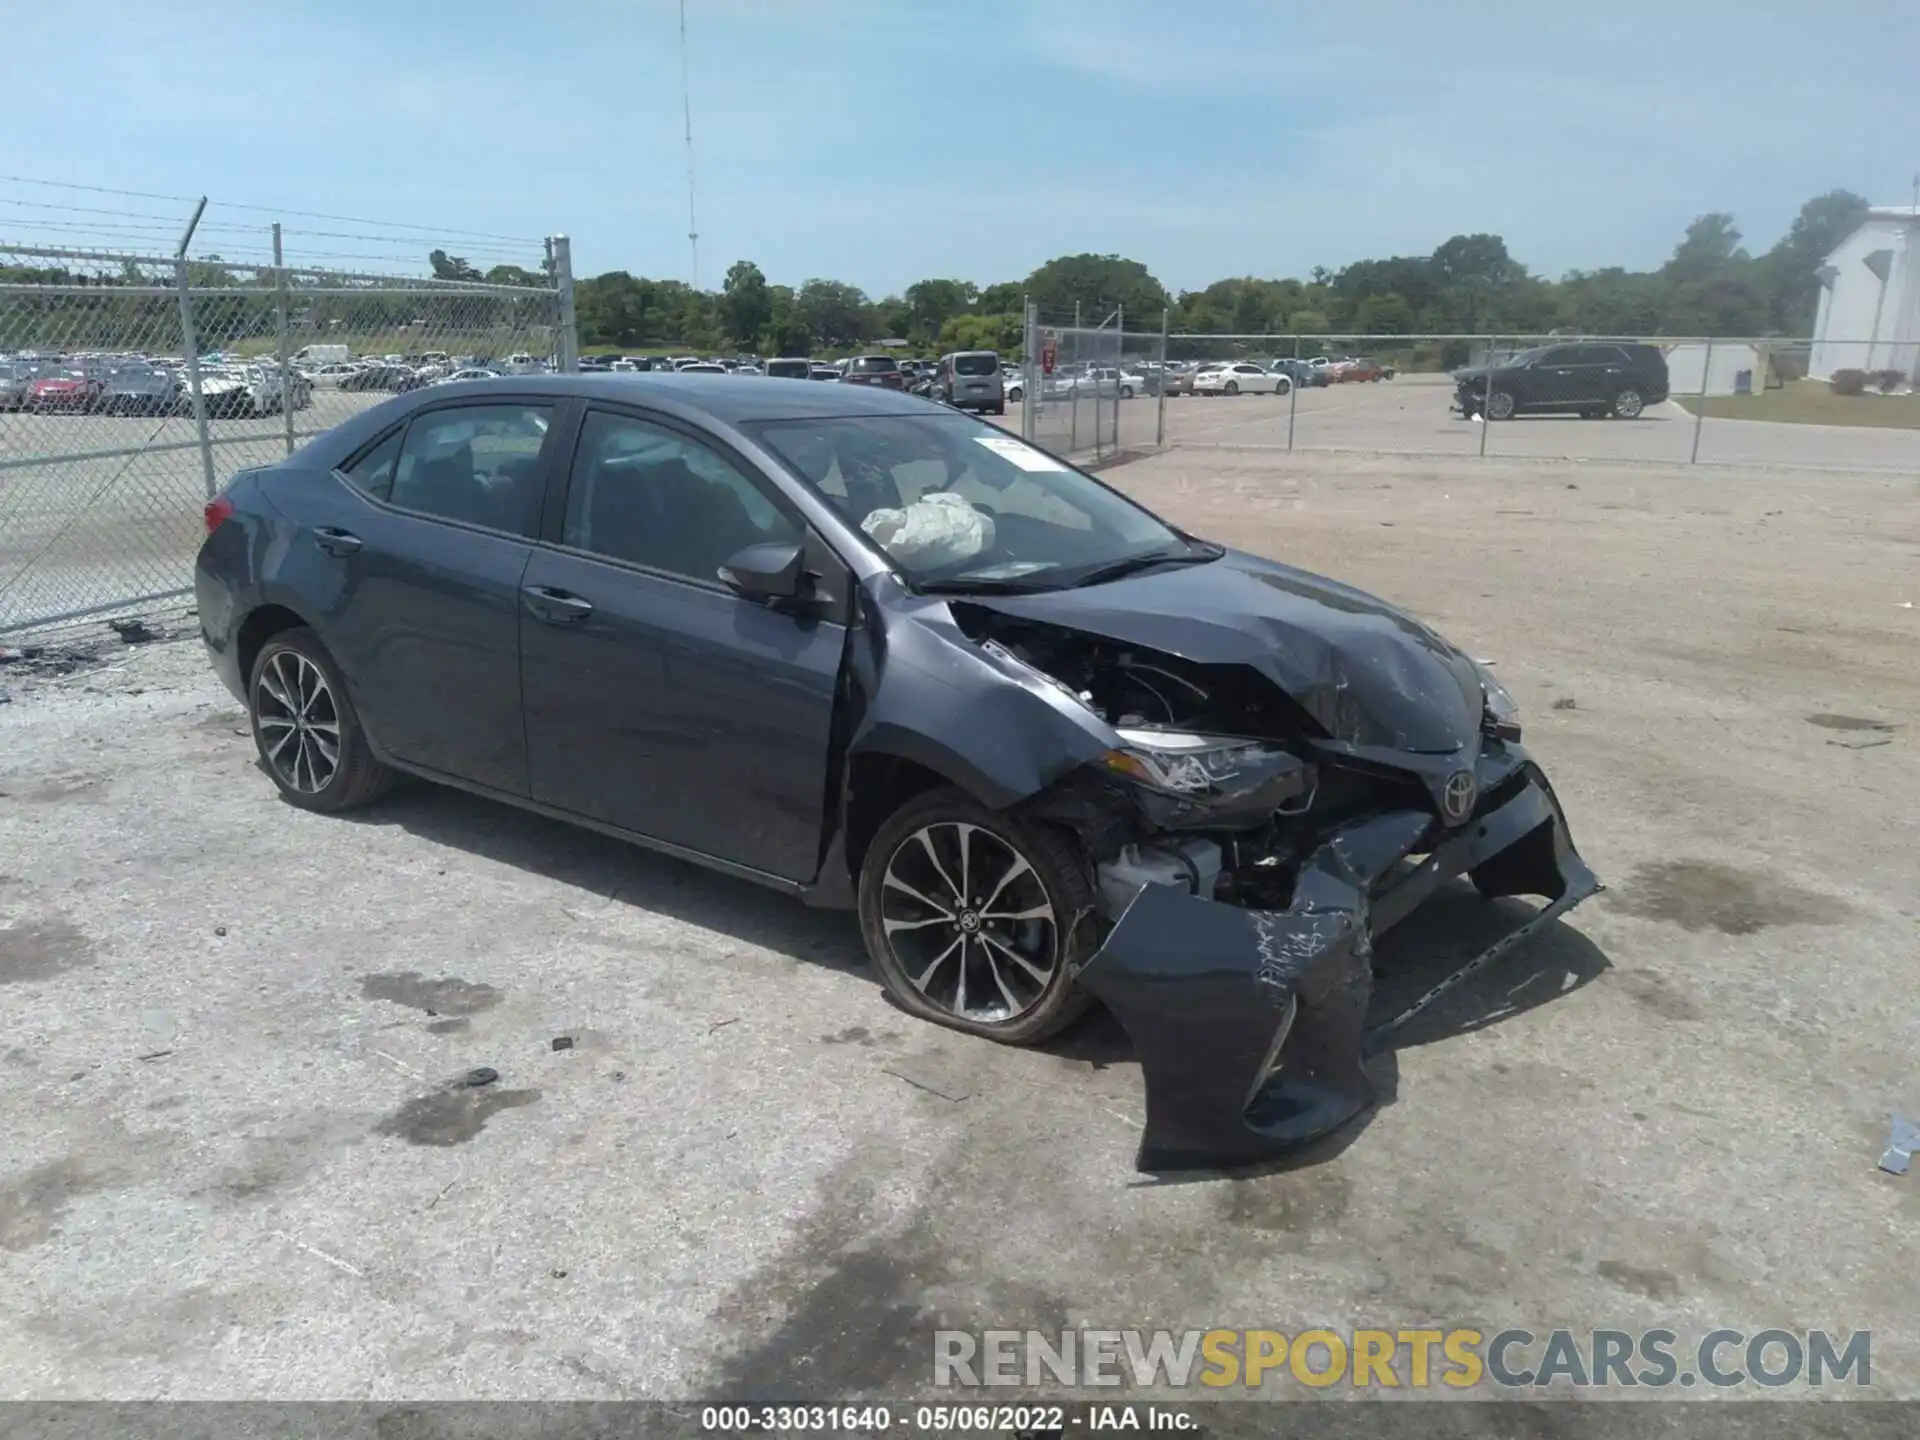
[
  {"x": 555, "y": 607},
  {"x": 336, "y": 542}
]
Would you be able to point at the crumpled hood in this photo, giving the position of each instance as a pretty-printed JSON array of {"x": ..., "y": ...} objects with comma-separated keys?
[{"x": 1368, "y": 673}]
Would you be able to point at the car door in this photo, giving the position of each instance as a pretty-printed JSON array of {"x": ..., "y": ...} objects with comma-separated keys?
[
  {"x": 657, "y": 699},
  {"x": 1254, "y": 380},
  {"x": 1601, "y": 371},
  {"x": 419, "y": 559},
  {"x": 1552, "y": 380}
]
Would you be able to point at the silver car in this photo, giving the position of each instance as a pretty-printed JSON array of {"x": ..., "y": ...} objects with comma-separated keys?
[{"x": 970, "y": 380}]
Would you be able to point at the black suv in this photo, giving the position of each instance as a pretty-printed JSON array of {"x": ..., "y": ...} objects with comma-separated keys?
[{"x": 1589, "y": 380}]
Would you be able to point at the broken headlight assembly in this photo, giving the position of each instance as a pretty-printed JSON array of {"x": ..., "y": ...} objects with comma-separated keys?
[
  {"x": 1183, "y": 777},
  {"x": 1500, "y": 713}
]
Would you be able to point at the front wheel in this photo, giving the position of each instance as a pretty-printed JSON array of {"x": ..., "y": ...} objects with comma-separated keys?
[
  {"x": 1016, "y": 395},
  {"x": 974, "y": 918},
  {"x": 1628, "y": 404},
  {"x": 306, "y": 728},
  {"x": 1500, "y": 405}
]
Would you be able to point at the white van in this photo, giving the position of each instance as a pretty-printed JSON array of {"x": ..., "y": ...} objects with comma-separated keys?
[{"x": 320, "y": 355}]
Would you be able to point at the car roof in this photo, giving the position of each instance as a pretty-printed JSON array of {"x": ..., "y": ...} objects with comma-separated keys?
[{"x": 730, "y": 399}]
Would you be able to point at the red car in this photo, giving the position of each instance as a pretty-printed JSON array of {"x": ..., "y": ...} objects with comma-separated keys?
[
  {"x": 67, "y": 390},
  {"x": 1361, "y": 369}
]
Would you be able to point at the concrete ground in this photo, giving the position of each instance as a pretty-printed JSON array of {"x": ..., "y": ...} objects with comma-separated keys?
[{"x": 230, "y": 1164}]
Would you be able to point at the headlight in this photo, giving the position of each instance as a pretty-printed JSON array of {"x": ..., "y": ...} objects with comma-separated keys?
[
  {"x": 1180, "y": 763},
  {"x": 1502, "y": 714}
]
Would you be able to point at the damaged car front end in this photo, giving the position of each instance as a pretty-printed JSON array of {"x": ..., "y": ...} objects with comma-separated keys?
[{"x": 1292, "y": 769}]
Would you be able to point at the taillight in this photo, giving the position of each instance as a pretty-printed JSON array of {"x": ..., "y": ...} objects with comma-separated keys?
[{"x": 218, "y": 510}]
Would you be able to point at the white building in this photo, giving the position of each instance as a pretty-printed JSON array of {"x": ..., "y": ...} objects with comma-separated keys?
[
  {"x": 1726, "y": 367},
  {"x": 1869, "y": 316}
]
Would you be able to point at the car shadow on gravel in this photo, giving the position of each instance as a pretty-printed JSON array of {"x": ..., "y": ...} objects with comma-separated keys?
[
  {"x": 607, "y": 872},
  {"x": 1442, "y": 935}
]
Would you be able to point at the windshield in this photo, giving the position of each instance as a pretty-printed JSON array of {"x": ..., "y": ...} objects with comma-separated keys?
[
  {"x": 976, "y": 364},
  {"x": 959, "y": 504}
]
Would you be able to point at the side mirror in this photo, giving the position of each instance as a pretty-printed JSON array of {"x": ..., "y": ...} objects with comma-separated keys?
[{"x": 767, "y": 572}]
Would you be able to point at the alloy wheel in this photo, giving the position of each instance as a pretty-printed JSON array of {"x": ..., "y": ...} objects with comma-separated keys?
[
  {"x": 298, "y": 722},
  {"x": 1628, "y": 404},
  {"x": 1500, "y": 405},
  {"x": 969, "y": 922}
]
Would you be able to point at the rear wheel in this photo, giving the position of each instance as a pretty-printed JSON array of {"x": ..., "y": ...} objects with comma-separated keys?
[
  {"x": 306, "y": 728},
  {"x": 1282, "y": 386},
  {"x": 1232, "y": 387},
  {"x": 975, "y": 919},
  {"x": 1628, "y": 404}
]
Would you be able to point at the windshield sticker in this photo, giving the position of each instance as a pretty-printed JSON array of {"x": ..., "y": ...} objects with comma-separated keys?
[{"x": 1019, "y": 453}]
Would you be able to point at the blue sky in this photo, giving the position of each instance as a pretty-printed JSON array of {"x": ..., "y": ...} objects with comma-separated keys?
[{"x": 881, "y": 141}]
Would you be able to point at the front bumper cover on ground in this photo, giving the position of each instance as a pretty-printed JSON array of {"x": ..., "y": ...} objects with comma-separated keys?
[{"x": 1251, "y": 1025}]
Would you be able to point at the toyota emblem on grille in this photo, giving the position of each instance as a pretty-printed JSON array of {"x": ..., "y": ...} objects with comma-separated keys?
[{"x": 1456, "y": 800}]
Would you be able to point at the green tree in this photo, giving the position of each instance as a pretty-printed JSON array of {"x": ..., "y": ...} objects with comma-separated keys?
[
  {"x": 1098, "y": 284},
  {"x": 837, "y": 314},
  {"x": 1790, "y": 270},
  {"x": 1004, "y": 299},
  {"x": 745, "y": 307},
  {"x": 1388, "y": 314},
  {"x": 514, "y": 275},
  {"x": 1710, "y": 247},
  {"x": 931, "y": 303},
  {"x": 450, "y": 267}
]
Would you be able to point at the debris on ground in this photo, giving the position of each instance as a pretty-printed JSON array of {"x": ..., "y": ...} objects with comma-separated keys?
[
  {"x": 154, "y": 1055},
  {"x": 1901, "y": 1144},
  {"x": 484, "y": 1075},
  {"x": 722, "y": 1024},
  {"x": 133, "y": 631},
  {"x": 922, "y": 1077},
  {"x": 1861, "y": 744},
  {"x": 1565, "y": 702},
  {"x": 220, "y": 930},
  {"x": 563, "y": 1042}
]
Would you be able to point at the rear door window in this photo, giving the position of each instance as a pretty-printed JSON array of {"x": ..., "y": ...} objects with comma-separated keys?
[{"x": 476, "y": 464}]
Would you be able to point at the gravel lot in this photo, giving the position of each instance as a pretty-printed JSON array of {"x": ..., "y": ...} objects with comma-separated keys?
[{"x": 231, "y": 1166}]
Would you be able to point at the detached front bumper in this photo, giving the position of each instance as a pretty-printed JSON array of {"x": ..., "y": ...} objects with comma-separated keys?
[{"x": 1251, "y": 1025}]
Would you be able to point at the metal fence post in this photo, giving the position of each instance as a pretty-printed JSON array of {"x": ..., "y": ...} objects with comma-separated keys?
[
  {"x": 1293, "y": 392},
  {"x": 567, "y": 341},
  {"x": 191, "y": 341},
  {"x": 287, "y": 396},
  {"x": 1486, "y": 396},
  {"x": 1700, "y": 405},
  {"x": 1030, "y": 368},
  {"x": 1160, "y": 420}
]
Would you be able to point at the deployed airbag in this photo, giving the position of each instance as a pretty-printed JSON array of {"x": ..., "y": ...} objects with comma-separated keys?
[{"x": 935, "y": 530}]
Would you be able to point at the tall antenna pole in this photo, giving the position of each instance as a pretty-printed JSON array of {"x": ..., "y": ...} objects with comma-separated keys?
[{"x": 686, "y": 106}]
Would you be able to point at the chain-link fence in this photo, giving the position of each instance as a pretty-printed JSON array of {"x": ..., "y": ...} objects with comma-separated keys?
[
  {"x": 1776, "y": 401},
  {"x": 1093, "y": 391},
  {"x": 131, "y": 386}
]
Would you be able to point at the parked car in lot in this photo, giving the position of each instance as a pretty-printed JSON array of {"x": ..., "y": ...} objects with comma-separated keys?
[
  {"x": 1240, "y": 377},
  {"x": 824, "y": 372},
  {"x": 395, "y": 378},
  {"x": 144, "y": 390},
  {"x": 1361, "y": 368},
  {"x": 67, "y": 389},
  {"x": 472, "y": 372},
  {"x": 16, "y": 381},
  {"x": 1589, "y": 380},
  {"x": 881, "y": 370},
  {"x": 1177, "y": 378},
  {"x": 1046, "y": 747},
  {"x": 970, "y": 380},
  {"x": 790, "y": 368},
  {"x": 336, "y": 373},
  {"x": 703, "y": 367}
]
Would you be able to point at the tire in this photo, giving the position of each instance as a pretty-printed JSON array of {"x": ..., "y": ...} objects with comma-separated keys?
[
  {"x": 1000, "y": 409},
  {"x": 1232, "y": 387},
  {"x": 1016, "y": 395},
  {"x": 1285, "y": 387},
  {"x": 1629, "y": 405},
  {"x": 1006, "y": 1000},
  {"x": 1500, "y": 405},
  {"x": 1126, "y": 392},
  {"x": 281, "y": 693}
]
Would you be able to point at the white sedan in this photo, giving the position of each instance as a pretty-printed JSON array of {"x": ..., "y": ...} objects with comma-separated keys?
[{"x": 1240, "y": 378}]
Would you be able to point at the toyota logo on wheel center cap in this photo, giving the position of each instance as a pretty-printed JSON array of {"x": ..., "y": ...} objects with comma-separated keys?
[{"x": 1456, "y": 799}]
